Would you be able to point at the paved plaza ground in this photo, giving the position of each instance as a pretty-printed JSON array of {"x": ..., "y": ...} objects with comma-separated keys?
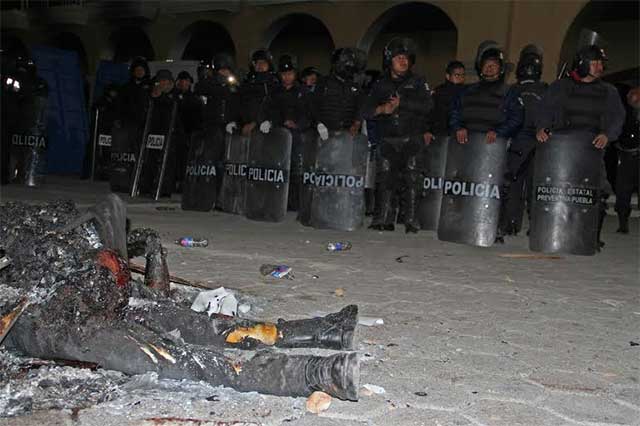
[{"x": 471, "y": 336}]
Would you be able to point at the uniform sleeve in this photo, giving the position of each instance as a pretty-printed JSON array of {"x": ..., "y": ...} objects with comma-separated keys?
[
  {"x": 455, "y": 113},
  {"x": 370, "y": 102},
  {"x": 615, "y": 115},
  {"x": 514, "y": 115}
]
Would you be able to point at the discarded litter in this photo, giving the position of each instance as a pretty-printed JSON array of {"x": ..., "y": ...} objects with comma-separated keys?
[
  {"x": 632, "y": 343},
  {"x": 192, "y": 242},
  {"x": 420, "y": 393},
  {"x": 318, "y": 402},
  {"x": 339, "y": 292},
  {"x": 315, "y": 277},
  {"x": 378, "y": 390},
  {"x": 218, "y": 301},
  {"x": 4, "y": 260},
  {"x": 400, "y": 259},
  {"x": 339, "y": 246},
  {"x": 277, "y": 271},
  {"x": 244, "y": 308},
  {"x": 370, "y": 321}
]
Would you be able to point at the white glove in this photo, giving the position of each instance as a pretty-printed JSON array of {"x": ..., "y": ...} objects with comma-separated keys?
[
  {"x": 323, "y": 131},
  {"x": 231, "y": 127},
  {"x": 265, "y": 126}
]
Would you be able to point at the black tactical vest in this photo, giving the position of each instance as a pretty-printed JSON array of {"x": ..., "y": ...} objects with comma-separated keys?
[
  {"x": 584, "y": 106},
  {"x": 338, "y": 105},
  {"x": 531, "y": 95},
  {"x": 482, "y": 106}
]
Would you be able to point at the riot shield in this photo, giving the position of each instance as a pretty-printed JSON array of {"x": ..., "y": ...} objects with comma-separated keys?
[
  {"x": 27, "y": 155},
  {"x": 124, "y": 142},
  {"x": 471, "y": 191},
  {"x": 433, "y": 160},
  {"x": 234, "y": 181},
  {"x": 299, "y": 139},
  {"x": 268, "y": 175},
  {"x": 200, "y": 182},
  {"x": 566, "y": 190},
  {"x": 103, "y": 121},
  {"x": 154, "y": 172},
  {"x": 309, "y": 149},
  {"x": 337, "y": 200}
]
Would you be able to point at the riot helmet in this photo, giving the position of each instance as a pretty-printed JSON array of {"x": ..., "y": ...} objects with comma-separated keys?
[
  {"x": 399, "y": 46},
  {"x": 184, "y": 75},
  {"x": 583, "y": 59},
  {"x": 346, "y": 62},
  {"x": 139, "y": 62},
  {"x": 287, "y": 63},
  {"x": 223, "y": 61},
  {"x": 261, "y": 54},
  {"x": 489, "y": 50},
  {"x": 205, "y": 70},
  {"x": 530, "y": 63}
]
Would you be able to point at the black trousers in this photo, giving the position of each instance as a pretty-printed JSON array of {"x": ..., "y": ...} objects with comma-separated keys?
[{"x": 627, "y": 180}]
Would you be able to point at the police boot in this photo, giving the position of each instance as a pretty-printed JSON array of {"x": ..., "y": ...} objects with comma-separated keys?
[
  {"x": 300, "y": 375},
  {"x": 411, "y": 207},
  {"x": 334, "y": 331},
  {"x": 623, "y": 222},
  {"x": 600, "y": 243},
  {"x": 383, "y": 221}
]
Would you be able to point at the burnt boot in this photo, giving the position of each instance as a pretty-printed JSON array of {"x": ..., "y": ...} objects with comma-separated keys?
[
  {"x": 334, "y": 331},
  {"x": 300, "y": 375},
  {"x": 623, "y": 222}
]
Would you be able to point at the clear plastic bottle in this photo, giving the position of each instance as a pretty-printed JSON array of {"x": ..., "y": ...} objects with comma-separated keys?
[
  {"x": 339, "y": 246},
  {"x": 192, "y": 242}
]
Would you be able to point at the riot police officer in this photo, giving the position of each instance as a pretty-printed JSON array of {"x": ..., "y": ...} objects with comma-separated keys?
[
  {"x": 257, "y": 90},
  {"x": 309, "y": 78},
  {"x": 190, "y": 111},
  {"x": 134, "y": 95},
  {"x": 518, "y": 178},
  {"x": 584, "y": 102},
  {"x": 219, "y": 93},
  {"x": 628, "y": 147},
  {"x": 289, "y": 109},
  {"x": 336, "y": 100},
  {"x": 443, "y": 96},
  {"x": 399, "y": 104}
]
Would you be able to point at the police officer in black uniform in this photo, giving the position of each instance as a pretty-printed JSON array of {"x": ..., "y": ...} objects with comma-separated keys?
[
  {"x": 443, "y": 96},
  {"x": 336, "y": 100},
  {"x": 134, "y": 95},
  {"x": 628, "y": 147},
  {"x": 256, "y": 91},
  {"x": 190, "y": 111},
  {"x": 309, "y": 78},
  {"x": 518, "y": 179},
  {"x": 289, "y": 109},
  {"x": 399, "y": 103},
  {"x": 219, "y": 94},
  {"x": 584, "y": 101}
]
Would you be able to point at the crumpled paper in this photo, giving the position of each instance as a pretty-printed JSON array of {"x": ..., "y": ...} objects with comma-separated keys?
[{"x": 218, "y": 301}]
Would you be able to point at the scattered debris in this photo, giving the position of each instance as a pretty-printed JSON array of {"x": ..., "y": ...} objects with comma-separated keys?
[
  {"x": 244, "y": 308},
  {"x": 318, "y": 402},
  {"x": 277, "y": 271},
  {"x": 339, "y": 292},
  {"x": 530, "y": 256},
  {"x": 370, "y": 321},
  {"x": 339, "y": 246},
  {"x": 632, "y": 343},
  {"x": 218, "y": 301},
  {"x": 134, "y": 267},
  {"x": 4, "y": 260},
  {"x": 315, "y": 277},
  {"x": 378, "y": 390},
  {"x": 265, "y": 333},
  {"x": 192, "y": 242},
  {"x": 399, "y": 259},
  {"x": 420, "y": 393}
]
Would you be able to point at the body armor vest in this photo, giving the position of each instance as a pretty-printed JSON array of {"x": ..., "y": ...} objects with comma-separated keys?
[
  {"x": 482, "y": 108},
  {"x": 531, "y": 95},
  {"x": 584, "y": 107},
  {"x": 339, "y": 104}
]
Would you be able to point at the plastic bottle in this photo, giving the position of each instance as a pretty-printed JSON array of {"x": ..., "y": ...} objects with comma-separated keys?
[
  {"x": 277, "y": 271},
  {"x": 192, "y": 242},
  {"x": 339, "y": 246}
]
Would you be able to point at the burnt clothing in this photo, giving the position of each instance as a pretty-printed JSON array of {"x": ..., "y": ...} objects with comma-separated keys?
[
  {"x": 571, "y": 104},
  {"x": 133, "y": 101},
  {"x": 531, "y": 93},
  {"x": 256, "y": 94},
  {"x": 289, "y": 104},
  {"x": 221, "y": 101},
  {"x": 410, "y": 118},
  {"x": 336, "y": 103},
  {"x": 485, "y": 106},
  {"x": 443, "y": 96}
]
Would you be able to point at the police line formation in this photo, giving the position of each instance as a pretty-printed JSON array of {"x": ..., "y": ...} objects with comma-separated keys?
[{"x": 458, "y": 159}]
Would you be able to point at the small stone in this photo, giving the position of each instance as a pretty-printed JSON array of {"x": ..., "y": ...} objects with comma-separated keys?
[{"x": 318, "y": 402}]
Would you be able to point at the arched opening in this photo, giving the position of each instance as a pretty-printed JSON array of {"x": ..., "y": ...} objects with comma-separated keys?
[
  {"x": 129, "y": 42},
  {"x": 304, "y": 36},
  {"x": 70, "y": 41},
  {"x": 617, "y": 24},
  {"x": 202, "y": 40},
  {"x": 433, "y": 32},
  {"x": 12, "y": 45}
]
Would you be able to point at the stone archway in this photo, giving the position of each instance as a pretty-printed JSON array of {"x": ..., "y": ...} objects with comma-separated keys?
[
  {"x": 130, "y": 42},
  {"x": 302, "y": 35},
  {"x": 70, "y": 41},
  {"x": 202, "y": 40}
]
